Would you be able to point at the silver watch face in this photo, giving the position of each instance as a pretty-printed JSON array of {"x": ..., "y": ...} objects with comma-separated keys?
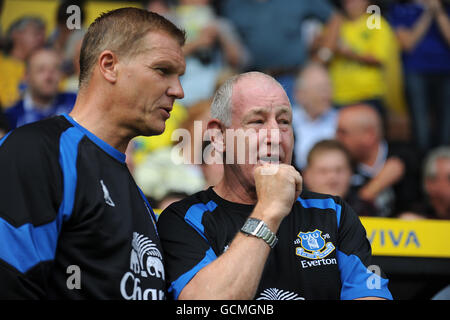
[
  {"x": 259, "y": 229},
  {"x": 250, "y": 225}
]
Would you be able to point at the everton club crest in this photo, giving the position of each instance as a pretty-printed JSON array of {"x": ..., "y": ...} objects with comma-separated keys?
[{"x": 313, "y": 245}]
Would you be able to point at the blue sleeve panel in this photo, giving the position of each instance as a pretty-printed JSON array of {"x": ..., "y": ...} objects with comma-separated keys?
[
  {"x": 178, "y": 285},
  {"x": 194, "y": 217},
  {"x": 25, "y": 246},
  {"x": 358, "y": 281},
  {"x": 327, "y": 203},
  {"x": 354, "y": 255}
]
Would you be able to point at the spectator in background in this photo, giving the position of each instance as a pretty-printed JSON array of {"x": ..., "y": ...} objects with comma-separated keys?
[
  {"x": 423, "y": 31},
  {"x": 70, "y": 83},
  {"x": 24, "y": 36},
  {"x": 313, "y": 117},
  {"x": 329, "y": 170},
  {"x": 365, "y": 61},
  {"x": 159, "y": 168},
  {"x": 42, "y": 98},
  {"x": 212, "y": 44},
  {"x": 65, "y": 40},
  {"x": 385, "y": 174},
  {"x": 159, "y": 173},
  {"x": 196, "y": 124},
  {"x": 272, "y": 32},
  {"x": 163, "y": 172},
  {"x": 436, "y": 183},
  {"x": 163, "y": 8}
]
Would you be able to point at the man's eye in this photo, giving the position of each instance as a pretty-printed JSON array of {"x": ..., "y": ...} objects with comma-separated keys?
[
  {"x": 258, "y": 121},
  {"x": 162, "y": 70}
]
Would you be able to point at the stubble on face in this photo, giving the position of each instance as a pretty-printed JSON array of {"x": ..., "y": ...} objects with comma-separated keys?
[
  {"x": 260, "y": 104},
  {"x": 152, "y": 83}
]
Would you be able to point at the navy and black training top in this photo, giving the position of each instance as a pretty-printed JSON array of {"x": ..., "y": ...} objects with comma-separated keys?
[
  {"x": 322, "y": 251},
  {"x": 73, "y": 223}
]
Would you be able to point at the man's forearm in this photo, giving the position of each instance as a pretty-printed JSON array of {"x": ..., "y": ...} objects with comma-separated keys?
[
  {"x": 237, "y": 272},
  {"x": 392, "y": 172},
  {"x": 233, "y": 275}
]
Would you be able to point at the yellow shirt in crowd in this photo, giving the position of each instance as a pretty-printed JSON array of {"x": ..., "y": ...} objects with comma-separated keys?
[
  {"x": 12, "y": 72},
  {"x": 354, "y": 81}
]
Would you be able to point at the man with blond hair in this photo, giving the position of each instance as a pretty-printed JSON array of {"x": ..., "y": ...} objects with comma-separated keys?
[{"x": 73, "y": 223}]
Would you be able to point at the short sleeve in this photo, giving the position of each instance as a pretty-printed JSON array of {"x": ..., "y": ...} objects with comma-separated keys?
[
  {"x": 30, "y": 193},
  {"x": 186, "y": 248},
  {"x": 354, "y": 259}
]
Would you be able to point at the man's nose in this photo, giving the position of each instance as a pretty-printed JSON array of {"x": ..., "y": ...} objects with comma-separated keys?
[
  {"x": 175, "y": 89},
  {"x": 47, "y": 75},
  {"x": 273, "y": 131}
]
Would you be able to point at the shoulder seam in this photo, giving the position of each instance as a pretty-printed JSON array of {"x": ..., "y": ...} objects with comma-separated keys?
[
  {"x": 323, "y": 203},
  {"x": 194, "y": 216}
]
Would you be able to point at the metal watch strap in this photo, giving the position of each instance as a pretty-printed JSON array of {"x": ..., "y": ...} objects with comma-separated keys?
[{"x": 259, "y": 229}]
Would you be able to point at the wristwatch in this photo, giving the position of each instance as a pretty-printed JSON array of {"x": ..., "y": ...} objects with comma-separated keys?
[
  {"x": 325, "y": 54},
  {"x": 258, "y": 228}
]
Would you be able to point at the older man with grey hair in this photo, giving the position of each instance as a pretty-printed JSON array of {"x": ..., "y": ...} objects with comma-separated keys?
[
  {"x": 314, "y": 117},
  {"x": 257, "y": 233},
  {"x": 437, "y": 181},
  {"x": 436, "y": 185}
]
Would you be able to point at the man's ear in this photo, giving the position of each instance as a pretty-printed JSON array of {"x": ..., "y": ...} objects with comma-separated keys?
[
  {"x": 216, "y": 132},
  {"x": 107, "y": 62}
]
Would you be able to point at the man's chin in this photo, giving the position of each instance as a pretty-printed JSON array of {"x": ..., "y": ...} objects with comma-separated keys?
[
  {"x": 153, "y": 131},
  {"x": 47, "y": 95}
]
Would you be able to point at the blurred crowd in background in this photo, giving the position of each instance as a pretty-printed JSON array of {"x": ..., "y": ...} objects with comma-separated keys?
[{"x": 369, "y": 84}]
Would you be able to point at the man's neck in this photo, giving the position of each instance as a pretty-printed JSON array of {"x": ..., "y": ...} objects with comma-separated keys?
[
  {"x": 232, "y": 188},
  {"x": 371, "y": 157},
  {"x": 91, "y": 116},
  {"x": 376, "y": 157}
]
